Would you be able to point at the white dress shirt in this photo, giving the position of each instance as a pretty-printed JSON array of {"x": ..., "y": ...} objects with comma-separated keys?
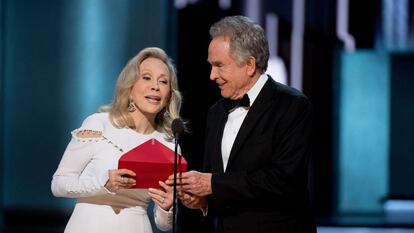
[{"x": 235, "y": 120}]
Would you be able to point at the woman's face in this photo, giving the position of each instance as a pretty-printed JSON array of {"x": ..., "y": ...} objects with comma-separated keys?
[{"x": 152, "y": 91}]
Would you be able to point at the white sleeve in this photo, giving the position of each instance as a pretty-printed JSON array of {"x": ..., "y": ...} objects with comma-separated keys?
[
  {"x": 70, "y": 180},
  {"x": 162, "y": 218}
]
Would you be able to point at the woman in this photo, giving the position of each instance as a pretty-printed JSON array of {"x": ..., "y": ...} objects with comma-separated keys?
[{"x": 145, "y": 103}]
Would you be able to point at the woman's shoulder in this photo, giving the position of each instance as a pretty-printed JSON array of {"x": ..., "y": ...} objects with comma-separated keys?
[
  {"x": 92, "y": 127},
  {"x": 96, "y": 121}
]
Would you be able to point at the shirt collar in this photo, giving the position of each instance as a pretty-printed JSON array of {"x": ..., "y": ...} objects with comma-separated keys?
[{"x": 257, "y": 87}]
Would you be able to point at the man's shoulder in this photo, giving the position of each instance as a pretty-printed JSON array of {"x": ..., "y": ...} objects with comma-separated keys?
[{"x": 288, "y": 91}]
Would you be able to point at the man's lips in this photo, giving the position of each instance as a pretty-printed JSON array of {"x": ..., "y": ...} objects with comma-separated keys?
[{"x": 220, "y": 85}]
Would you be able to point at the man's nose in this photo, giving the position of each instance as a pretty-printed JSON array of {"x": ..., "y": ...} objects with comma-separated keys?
[{"x": 213, "y": 74}]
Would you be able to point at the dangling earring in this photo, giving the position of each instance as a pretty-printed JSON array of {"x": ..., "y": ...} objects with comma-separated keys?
[
  {"x": 131, "y": 106},
  {"x": 165, "y": 114}
]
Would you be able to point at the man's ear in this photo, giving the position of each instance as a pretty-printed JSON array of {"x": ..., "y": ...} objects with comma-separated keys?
[{"x": 251, "y": 66}]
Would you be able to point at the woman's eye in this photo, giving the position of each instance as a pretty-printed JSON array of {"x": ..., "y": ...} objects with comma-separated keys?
[
  {"x": 146, "y": 77},
  {"x": 164, "y": 81}
]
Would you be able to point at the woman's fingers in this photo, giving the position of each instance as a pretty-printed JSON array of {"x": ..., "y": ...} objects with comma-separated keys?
[
  {"x": 163, "y": 197},
  {"x": 156, "y": 196},
  {"x": 165, "y": 186},
  {"x": 125, "y": 178},
  {"x": 128, "y": 181},
  {"x": 125, "y": 171},
  {"x": 120, "y": 179}
]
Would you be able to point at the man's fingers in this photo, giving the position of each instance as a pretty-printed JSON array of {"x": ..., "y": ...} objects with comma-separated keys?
[
  {"x": 181, "y": 175},
  {"x": 187, "y": 188},
  {"x": 188, "y": 198},
  {"x": 179, "y": 181}
]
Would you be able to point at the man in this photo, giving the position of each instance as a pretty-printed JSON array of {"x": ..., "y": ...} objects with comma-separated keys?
[{"x": 256, "y": 155}]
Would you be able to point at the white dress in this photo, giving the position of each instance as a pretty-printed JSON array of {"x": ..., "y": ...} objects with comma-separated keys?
[{"x": 83, "y": 172}]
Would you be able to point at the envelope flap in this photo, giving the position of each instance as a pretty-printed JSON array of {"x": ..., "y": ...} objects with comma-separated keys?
[{"x": 151, "y": 151}]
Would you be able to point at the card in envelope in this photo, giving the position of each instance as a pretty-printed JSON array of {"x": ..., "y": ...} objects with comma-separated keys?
[{"x": 151, "y": 161}]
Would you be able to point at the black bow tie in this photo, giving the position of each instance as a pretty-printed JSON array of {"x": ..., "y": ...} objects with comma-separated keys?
[{"x": 243, "y": 102}]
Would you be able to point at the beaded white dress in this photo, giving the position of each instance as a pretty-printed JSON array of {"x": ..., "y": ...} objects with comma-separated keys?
[{"x": 83, "y": 172}]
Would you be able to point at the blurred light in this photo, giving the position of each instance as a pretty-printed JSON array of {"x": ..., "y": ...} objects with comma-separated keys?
[
  {"x": 399, "y": 210},
  {"x": 224, "y": 4},
  {"x": 92, "y": 39},
  {"x": 272, "y": 23},
  {"x": 275, "y": 66},
  {"x": 297, "y": 43},
  {"x": 399, "y": 205},
  {"x": 363, "y": 131},
  {"x": 342, "y": 25},
  {"x": 181, "y": 4},
  {"x": 363, "y": 230},
  {"x": 252, "y": 10},
  {"x": 93, "y": 43},
  {"x": 277, "y": 70},
  {"x": 396, "y": 25}
]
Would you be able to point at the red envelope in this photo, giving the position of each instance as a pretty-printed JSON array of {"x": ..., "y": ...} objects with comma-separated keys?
[{"x": 151, "y": 161}]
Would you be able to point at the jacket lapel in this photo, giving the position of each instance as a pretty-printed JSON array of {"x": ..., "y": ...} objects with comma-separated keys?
[
  {"x": 218, "y": 135},
  {"x": 255, "y": 113}
]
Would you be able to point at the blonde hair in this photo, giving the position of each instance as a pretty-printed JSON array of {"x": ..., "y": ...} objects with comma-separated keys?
[{"x": 118, "y": 109}]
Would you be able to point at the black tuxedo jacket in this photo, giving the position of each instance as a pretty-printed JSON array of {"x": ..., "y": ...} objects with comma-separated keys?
[{"x": 264, "y": 187}]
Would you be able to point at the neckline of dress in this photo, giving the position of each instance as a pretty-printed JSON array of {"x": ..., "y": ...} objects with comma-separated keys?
[{"x": 142, "y": 134}]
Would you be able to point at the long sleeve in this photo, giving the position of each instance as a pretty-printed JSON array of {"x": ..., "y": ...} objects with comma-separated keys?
[
  {"x": 80, "y": 173},
  {"x": 69, "y": 179},
  {"x": 162, "y": 218}
]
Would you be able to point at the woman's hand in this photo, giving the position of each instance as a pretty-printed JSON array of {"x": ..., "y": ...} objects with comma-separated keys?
[
  {"x": 120, "y": 179},
  {"x": 163, "y": 196}
]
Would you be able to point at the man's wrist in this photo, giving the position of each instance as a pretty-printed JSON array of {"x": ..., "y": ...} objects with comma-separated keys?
[{"x": 210, "y": 191}]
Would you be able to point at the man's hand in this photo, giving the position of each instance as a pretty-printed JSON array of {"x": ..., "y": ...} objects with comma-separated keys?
[
  {"x": 191, "y": 201},
  {"x": 193, "y": 182}
]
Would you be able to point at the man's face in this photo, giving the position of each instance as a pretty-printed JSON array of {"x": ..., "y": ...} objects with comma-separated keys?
[{"x": 231, "y": 77}]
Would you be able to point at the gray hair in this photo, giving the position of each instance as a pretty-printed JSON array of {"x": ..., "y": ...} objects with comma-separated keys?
[{"x": 247, "y": 38}]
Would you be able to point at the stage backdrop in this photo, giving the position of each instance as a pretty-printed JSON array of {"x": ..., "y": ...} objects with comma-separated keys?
[{"x": 59, "y": 62}]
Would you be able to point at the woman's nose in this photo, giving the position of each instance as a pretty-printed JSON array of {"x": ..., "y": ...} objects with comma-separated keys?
[{"x": 155, "y": 85}]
